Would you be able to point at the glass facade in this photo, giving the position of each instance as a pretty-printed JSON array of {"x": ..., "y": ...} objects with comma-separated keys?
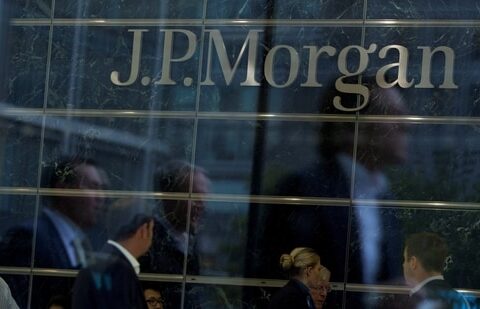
[{"x": 253, "y": 127}]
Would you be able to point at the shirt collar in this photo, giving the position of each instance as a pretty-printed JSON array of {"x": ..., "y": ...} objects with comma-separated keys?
[
  {"x": 421, "y": 284},
  {"x": 67, "y": 230},
  {"x": 133, "y": 261},
  {"x": 368, "y": 184}
]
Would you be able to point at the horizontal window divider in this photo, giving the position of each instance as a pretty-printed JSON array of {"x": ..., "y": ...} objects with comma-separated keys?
[
  {"x": 394, "y": 289},
  {"x": 7, "y": 111},
  {"x": 423, "y": 22},
  {"x": 236, "y": 281},
  {"x": 10, "y": 112},
  {"x": 18, "y": 191},
  {"x": 245, "y": 22},
  {"x": 7, "y": 270},
  {"x": 119, "y": 113},
  {"x": 49, "y": 272},
  {"x": 354, "y": 287},
  {"x": 53, "y": 272},
  {"x": 420, "y": 119},
  {"x": 264, "y": 199},
  {"x": 232, "y": 281},
  {"x": 258, "y": 199},
  {"x": 277, "y": 116},
  {"x": 115, "y": 194},
  {"x": 416, "y": 204},
  {"x": 30, "y": 21},
  {"x": 161, "y": 277},
  {"x": 99, "y": 22}
]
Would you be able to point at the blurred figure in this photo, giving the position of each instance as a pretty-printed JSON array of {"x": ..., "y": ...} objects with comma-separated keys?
[
  {"x": 172, "y": 243},
  {"x": 153, "y": 297},
  {"x": 424, "y": 259},
  {"x": 304, "y": 270},
  {"x": 6, "y": 298},
  {"x": 373, "y": 256},
  {"x": 321, "y": 288},
  {"x": 61, "y": 241},
  {"x": 111, "y": 281}
]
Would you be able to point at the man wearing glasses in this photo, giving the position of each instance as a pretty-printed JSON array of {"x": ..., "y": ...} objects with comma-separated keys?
[{"x": 153, "y": 297}]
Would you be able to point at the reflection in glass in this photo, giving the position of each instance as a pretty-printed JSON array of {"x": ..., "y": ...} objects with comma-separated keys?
[{"x": 175, "y": 234}]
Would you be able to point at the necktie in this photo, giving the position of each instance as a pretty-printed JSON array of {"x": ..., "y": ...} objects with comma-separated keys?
[{"x": 81, "y": 247}]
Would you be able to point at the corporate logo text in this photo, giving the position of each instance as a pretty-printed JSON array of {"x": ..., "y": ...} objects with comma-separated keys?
[{"x": 217, "y": 51}]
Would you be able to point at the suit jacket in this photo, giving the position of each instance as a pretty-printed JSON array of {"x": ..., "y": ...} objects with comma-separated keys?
[
  {"x": 325, "y": 229},
  {"x": 294, "y": 295},
  {"x": 164, "y": 255},
  {"x": 16, "y": 250},
  {"x": 111, "y": 282},
  {"x": 438, "y": 294},
  {"x": 49, "y": 249}
]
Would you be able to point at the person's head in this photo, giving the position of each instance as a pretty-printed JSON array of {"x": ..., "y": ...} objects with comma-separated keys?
[
  {"x": 302, "y": 264},
  {"x": 320, "y": 288},
  {"x": 153, "y": 297},
  {"x": 424, "y": 256},
  {"x": 59, "y": 302},
  {"x": 80, "y": 174},
  {"x": 175, "y": 177},
  {"x": 379, "y": 143},
  {"x": 387, "y": 142},
  {"x": 130, "y": 222}
]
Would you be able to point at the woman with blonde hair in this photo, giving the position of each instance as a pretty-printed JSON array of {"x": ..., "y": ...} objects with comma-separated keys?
[{"x": 304, "y": 270}]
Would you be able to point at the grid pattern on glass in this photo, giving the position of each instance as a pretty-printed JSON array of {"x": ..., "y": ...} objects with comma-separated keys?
[{"x": 244, "y": 158}]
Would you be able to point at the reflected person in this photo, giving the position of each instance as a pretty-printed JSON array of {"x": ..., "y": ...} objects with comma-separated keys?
[
  {"x": 424, "y": 259},
  {"x": 320, "y": 289},
  {"x": 61, "y": 241},
  {"x": 172, "y": 242},
  {"x": 112, "y": 280},
  {"x": 373, "y": 256},
  {"x": 304, "y": 271}
]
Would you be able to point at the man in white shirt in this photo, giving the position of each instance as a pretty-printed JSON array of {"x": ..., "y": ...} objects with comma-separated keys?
[
  {"x": 111, "y": 281},
  {"x": 424, "y": 260}
]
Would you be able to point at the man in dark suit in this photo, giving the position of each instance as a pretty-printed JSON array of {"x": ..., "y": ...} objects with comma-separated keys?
[
  {"x": 424, "y": 258},
  {"x": 61, "y": 224},
  {"x": 175, "y": 232},
  {"x": 111, "y": 281},
  {"x": 373, "y": 250},
  {"x": 61, "y": 241}
]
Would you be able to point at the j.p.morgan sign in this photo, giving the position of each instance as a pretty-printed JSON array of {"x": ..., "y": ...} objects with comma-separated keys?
[{"x": 218, "y": 51}]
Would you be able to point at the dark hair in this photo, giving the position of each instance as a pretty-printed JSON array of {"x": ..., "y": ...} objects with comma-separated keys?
[
  {"x": 156, "y": 286},
  {"x": 429, "y": 248},
  {"x": 126, "y": 216},
  {"x": 174, "y": 176}
]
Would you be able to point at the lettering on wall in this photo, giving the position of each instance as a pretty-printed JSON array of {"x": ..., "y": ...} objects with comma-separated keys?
[{"x": 216, "y": 51}]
